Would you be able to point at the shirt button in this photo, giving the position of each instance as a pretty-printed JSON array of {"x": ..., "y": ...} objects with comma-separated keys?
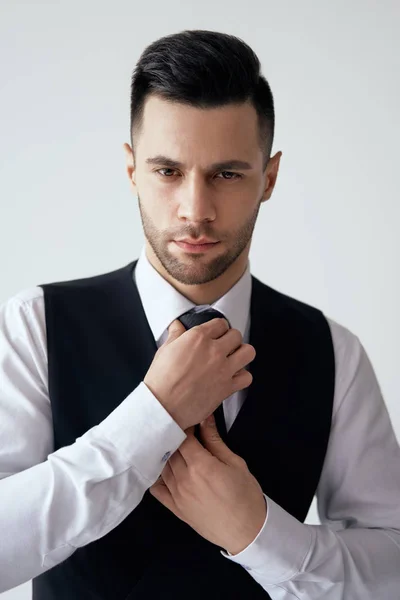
[
  {"x": 166, "y": 456},
  {"x": 247, "y": 568}
]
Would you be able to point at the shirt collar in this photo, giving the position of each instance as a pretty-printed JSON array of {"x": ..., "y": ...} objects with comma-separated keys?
[{"x": 162, "y": 303}]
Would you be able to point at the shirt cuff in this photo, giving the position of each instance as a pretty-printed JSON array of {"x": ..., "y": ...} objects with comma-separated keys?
[
  {"x": 280, "y": 548},
  {"x": 143, "y": 432}
]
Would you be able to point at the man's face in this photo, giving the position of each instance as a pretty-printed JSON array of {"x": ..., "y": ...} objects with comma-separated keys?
[{"x": 196, "y": 199}]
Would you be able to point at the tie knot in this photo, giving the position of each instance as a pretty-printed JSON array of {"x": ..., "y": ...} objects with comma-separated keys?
[{"x": 191, "y": 319}]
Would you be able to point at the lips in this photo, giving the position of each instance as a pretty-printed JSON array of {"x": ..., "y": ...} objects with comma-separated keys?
[
  {"x": 197, "y": 242},
  {"x": 189, "y": 247}
]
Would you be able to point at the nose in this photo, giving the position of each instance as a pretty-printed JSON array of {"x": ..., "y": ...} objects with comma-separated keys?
[{"x": 196, "y": 201}]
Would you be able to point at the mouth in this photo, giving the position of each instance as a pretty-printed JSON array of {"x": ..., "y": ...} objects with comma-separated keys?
[{"x": 199, "y": 248}]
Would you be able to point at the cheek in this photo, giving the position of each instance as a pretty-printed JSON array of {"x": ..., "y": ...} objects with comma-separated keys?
[
  {"x": 235, "y": 211},
  {"x": 160, "y": 212}
]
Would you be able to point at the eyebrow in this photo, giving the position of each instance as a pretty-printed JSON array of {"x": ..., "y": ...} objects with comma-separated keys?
[{"x": 218, "y": 166}]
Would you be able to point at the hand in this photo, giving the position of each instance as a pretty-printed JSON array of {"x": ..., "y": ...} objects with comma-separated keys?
[
  {"x": 212, "y": 490},
  {"x": 196, "y": 369}
]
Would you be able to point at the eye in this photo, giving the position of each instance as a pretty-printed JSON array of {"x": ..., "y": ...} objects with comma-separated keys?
[
  {"x": 166, "y": 172},
  {"x": 236, "y": 175},
  {"x": 165, "y": 169}
]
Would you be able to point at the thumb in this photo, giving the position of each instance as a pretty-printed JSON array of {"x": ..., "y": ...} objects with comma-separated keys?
[
  {"x": 175, "y": 330},
  {"x": 213, "y": 442}
]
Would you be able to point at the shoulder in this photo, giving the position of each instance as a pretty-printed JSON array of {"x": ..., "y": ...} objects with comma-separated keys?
[
  {"x": 310, "y": 322},
  {"x": 22, "y": 324},
  {"x": 290, "y": 311},
  {"x": 27, "y": 304},
  {"x": 91, "y": 282},
  {"x": 346, "y": 343}
]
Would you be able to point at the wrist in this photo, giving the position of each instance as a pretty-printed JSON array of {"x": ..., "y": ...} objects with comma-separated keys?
[
  {"x": 248, "y": 537},
  {"x": 165, "y": 404}
]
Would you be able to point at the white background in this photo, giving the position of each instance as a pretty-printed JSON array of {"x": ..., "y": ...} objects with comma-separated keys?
[{"x": 329, "y": 234}]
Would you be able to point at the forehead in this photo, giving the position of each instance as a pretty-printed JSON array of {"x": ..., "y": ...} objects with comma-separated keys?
[{"x": 203, "y": 135}]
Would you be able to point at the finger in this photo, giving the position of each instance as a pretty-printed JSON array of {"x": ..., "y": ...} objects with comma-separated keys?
[
  {"x": 178, "y": 465},
  {"x": 163, "y": 495},
  {"x": 169, "y": 479},
  {"x": 190, "y": 430},
  {"x": 192, "y": 450},
  {"x": 216, "y": 327}
]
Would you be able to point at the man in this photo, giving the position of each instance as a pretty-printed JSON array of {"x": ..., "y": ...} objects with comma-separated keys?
[{"x": 115, "y": 485}]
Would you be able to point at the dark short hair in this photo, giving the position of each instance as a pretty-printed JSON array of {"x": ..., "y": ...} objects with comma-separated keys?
[{"x": 203, "y": 69}]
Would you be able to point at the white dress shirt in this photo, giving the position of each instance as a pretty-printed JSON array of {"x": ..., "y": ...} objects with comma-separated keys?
[{"x": 52, "y": 503}]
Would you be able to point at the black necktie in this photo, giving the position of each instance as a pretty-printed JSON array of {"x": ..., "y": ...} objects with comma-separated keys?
[{"x": 190, "y": 319}]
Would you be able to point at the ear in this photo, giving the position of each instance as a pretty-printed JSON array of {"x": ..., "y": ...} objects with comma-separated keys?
[
  {"x": 130, "y": 168},
  {"x": 271, "y": 174}
]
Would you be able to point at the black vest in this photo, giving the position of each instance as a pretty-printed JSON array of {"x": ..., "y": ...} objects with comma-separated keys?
[{"x": 100, "y": 347}]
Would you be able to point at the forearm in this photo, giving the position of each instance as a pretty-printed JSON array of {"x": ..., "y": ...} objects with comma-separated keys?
[{"x": 84, "y": 490}]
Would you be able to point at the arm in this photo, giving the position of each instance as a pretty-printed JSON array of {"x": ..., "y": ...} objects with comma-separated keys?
[
  {"x": 54, "y": 502},
  {"x": 355, "y": 553}
]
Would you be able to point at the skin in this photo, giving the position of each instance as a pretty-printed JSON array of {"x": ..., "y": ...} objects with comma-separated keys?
[
  {"x": 206, "y": 485},
  {"x": 195, "y": 201}
]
